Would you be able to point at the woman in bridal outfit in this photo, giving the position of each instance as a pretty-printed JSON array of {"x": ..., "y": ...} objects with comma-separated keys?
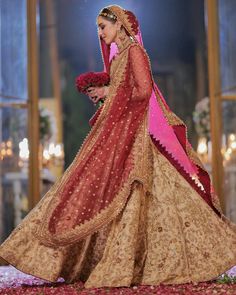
[{"x": 136, "y": 205}]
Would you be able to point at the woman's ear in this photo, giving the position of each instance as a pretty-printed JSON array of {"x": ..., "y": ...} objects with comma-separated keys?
[{"x": 119, "y": 25}]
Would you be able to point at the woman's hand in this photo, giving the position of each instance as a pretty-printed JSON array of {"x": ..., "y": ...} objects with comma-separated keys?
[{"x": 97, "y": 93}]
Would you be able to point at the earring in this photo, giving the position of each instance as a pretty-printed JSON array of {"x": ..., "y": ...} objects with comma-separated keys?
[{"x": 121, "y": 34}]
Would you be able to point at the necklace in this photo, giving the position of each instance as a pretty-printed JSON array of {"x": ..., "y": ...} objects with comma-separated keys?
[
  {"x": 116, "y": 59},
  {"x": 124, "y": 45}
]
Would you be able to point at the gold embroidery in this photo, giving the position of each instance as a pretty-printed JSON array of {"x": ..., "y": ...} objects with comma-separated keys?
[
  {"x": 152, "y": 242},
  {"x": 107, "y": 214},
  {"x": 146, "y": 243},
  {"x": 139, "y": 173},
  {"x": 174, "y": 120},
  {"x": 155, "y": 208}
]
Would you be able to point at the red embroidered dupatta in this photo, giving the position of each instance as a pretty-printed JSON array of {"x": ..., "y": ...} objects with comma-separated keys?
[
  {"x": 95, "y": 187},
  {"x": 168, "y": 131}
]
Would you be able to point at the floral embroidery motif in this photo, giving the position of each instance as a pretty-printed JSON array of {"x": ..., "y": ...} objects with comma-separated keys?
[{"x": 134, "y": 248}]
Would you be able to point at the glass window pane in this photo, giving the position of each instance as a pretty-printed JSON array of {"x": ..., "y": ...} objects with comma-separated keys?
[
  {"x": 227, "y": 23},
  {"x": 46, "y": 26},
  {"x": 229, "y": 155},
  {"x": 13, "y": 50},
  {"x": 14, "y": 168}
]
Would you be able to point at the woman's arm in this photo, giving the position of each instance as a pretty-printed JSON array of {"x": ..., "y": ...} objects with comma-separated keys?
[{"x": 141, "y": 72}]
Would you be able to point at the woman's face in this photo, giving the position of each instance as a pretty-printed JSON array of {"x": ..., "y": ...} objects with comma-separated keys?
[{"x": 107, "y": 30}]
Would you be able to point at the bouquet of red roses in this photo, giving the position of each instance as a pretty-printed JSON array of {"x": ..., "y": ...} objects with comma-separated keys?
[{"x": 91, "y": 79}]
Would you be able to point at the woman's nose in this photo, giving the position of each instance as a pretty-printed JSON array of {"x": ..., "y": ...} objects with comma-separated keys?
[{"x": 99, "y": 32}]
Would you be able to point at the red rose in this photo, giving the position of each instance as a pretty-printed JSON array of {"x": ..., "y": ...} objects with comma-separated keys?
[{"x": 91, "y": 79}]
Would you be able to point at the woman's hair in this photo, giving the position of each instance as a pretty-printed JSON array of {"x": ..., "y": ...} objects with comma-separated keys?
[{"x": 108, "y": 15}]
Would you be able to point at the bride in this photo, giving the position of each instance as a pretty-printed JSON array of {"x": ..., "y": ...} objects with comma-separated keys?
[{"x": 136, "y": 206}]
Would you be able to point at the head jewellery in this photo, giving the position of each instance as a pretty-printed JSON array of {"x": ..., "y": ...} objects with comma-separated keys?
[
  {"x": 127, "y": 18},
  {"x": 112, "y": 16}
]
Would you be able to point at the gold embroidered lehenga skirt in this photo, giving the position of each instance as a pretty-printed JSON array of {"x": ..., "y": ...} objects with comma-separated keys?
[{"x": 169, "y": 235}]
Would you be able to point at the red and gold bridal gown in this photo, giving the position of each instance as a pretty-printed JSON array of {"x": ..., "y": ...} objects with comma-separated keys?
[{"x": 123, "y": 213}]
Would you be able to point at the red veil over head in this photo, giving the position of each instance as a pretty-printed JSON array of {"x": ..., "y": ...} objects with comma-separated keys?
[{"x": 168, "y": 132}]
